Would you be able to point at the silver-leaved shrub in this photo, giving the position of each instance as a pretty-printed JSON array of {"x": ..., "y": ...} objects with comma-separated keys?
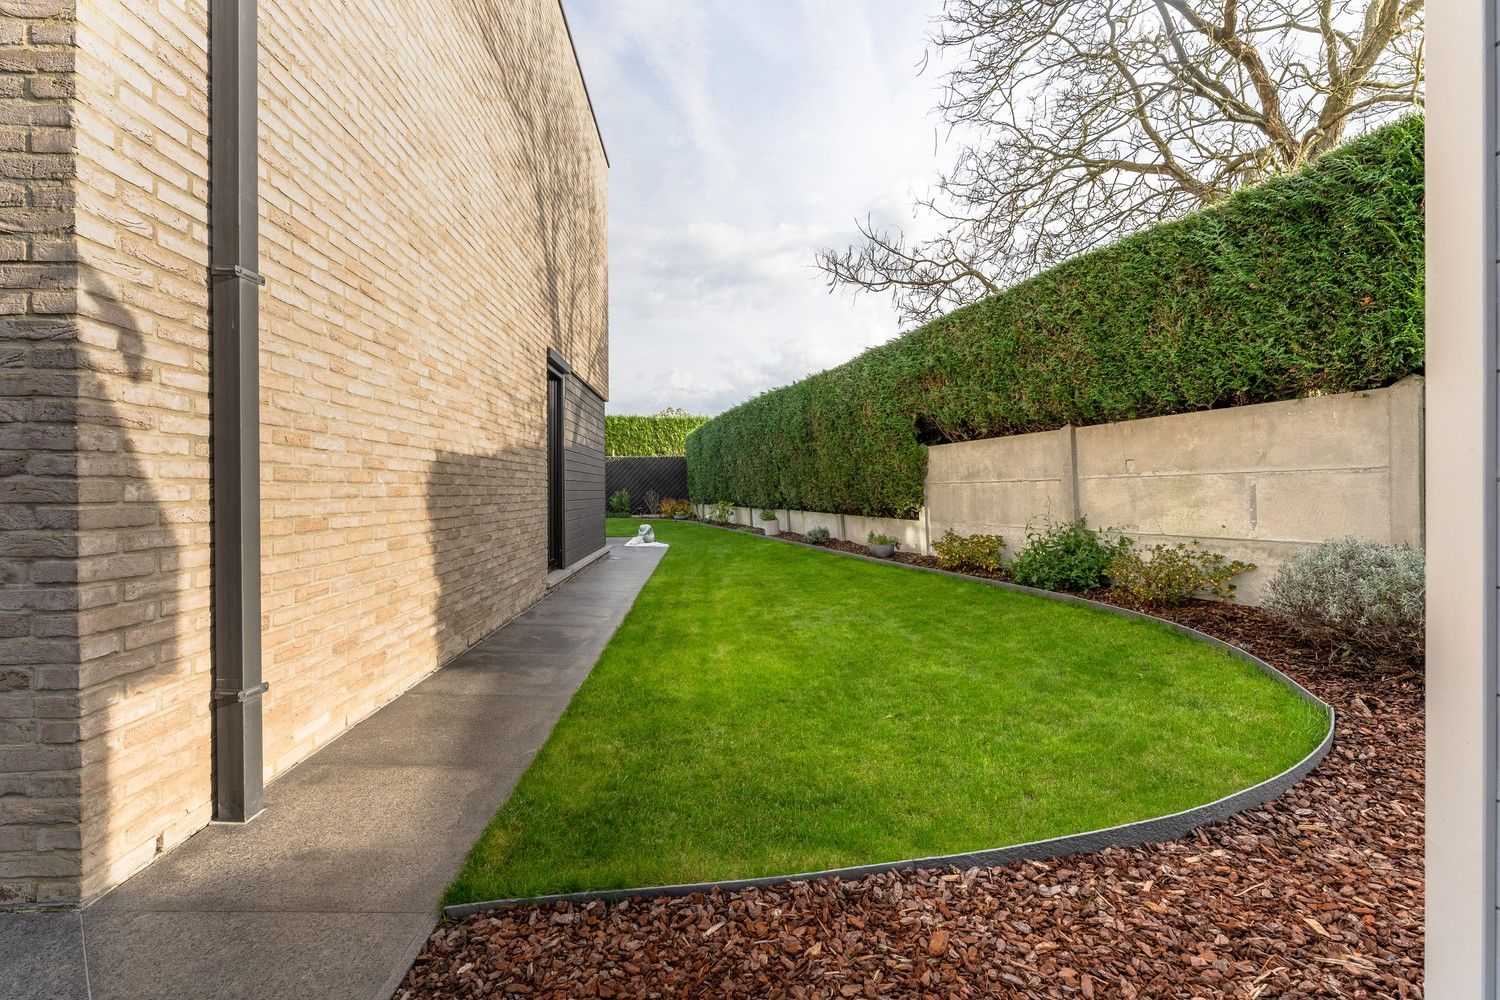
[{"x": 1355, "y": 596}]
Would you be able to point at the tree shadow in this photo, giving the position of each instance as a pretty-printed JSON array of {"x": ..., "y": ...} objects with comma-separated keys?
[
  {"x": 487, "y": 513},
  {"x": 147, "y": 703},
  {"x": 565, "y": 224}
]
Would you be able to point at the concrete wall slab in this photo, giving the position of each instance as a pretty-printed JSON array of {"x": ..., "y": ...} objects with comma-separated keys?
[{"x": 1257, "y": 483}]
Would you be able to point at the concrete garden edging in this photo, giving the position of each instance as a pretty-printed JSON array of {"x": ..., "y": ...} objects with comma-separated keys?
[{"x": 1156, "y": 830}]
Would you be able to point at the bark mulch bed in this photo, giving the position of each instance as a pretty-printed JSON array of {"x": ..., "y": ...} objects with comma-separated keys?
[{"x": 1318, "y": 894}]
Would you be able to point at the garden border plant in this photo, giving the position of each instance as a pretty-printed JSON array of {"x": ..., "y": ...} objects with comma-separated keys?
[
  {"x": 1351, "y": 596},
  {"x": 1068, "y": 555},
  {"x": 1156, "y": 829}
]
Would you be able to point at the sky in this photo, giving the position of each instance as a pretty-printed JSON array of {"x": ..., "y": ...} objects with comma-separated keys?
[{"x": 744, "y": 137}]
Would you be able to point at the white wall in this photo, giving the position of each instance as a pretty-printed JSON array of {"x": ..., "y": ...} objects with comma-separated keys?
[{"x": 1460, "y": 543}]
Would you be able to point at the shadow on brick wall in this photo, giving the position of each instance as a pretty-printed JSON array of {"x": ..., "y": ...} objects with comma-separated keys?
[
  {"x": 40, "y": 759},
  {"x": 145, "y": 504},
  {"x": 487, "y": 530}
]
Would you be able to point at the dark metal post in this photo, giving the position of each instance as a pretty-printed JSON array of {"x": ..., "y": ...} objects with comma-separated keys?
[{"x": 235, "y": 324}]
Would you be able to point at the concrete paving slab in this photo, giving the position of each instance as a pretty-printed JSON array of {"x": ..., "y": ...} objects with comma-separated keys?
[
  {"x": 221, "y": 956},
  {"x": 332, "y": 890},
  {"x": 563, "y": 637},
  {"x": 421, "y": 725},
  {"x": 41, "y": 956},
  {"x": 345, "y": 837},
  {"x": 536, "y": 675}
]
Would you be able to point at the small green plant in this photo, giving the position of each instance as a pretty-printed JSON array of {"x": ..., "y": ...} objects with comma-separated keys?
[
  {"x": 1174, "y": 573},
  {"x": 721, "y": 512},
  {"x": 619, "y": 502},
  {"x": 818, "y": 536},
  {"x": 1067, "y": 556},
  {"x": 1354, "y": 596},
  {"x": 768, "y": 515},
  {"x": 876, "y": 538},
  {"x": 969, "y": 553},
  {"x": 676, "y": 508}
]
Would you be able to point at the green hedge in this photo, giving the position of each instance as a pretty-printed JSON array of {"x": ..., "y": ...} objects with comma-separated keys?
[
  {"x": 1308, "y": 284},
  {"x": 637, "y": 436}
]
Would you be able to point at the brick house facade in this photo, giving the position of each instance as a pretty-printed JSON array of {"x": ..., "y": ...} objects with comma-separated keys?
[{"x": 432, "y": 212}]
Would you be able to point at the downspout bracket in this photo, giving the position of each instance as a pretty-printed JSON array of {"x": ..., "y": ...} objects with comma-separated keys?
[
  {"x": 239, "y": 272},
  {"x": 243, "y": 694}
]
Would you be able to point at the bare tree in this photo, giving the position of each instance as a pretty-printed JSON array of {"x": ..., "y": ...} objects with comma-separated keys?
[{"x": 1094, "y": 119}]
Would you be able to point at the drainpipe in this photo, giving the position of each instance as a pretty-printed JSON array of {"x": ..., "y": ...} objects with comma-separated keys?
[{"x": 234, "y": 322}]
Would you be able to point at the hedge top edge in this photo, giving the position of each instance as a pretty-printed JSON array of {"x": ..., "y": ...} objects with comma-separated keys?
[
  {"x": 1308, "y": 284},
  {"x": 642, "y": 437}
]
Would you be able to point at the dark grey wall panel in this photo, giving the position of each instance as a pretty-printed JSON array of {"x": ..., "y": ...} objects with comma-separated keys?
[{"x": 583, "y": 470}]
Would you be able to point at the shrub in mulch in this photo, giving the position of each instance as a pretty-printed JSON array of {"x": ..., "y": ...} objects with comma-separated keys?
[
  {"x": 1317, "y": 894},
  {"x": 841, "y": 544},
  {"x": 1355, "y": 597}
]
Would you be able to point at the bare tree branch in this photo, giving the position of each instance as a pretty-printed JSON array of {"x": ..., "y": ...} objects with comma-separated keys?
[{"x": 1088, "y": 120}]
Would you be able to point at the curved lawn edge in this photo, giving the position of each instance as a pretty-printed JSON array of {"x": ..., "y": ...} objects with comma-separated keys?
[{"x": 1146, "y": 831}]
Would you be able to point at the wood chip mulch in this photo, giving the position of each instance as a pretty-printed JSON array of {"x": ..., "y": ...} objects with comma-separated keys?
[{"x": 1318, "y": 894}]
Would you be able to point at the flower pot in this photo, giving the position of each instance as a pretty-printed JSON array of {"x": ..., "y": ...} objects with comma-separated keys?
[
  {"x": 883, "y": 551},
  {"x": 772, "y": 527}
]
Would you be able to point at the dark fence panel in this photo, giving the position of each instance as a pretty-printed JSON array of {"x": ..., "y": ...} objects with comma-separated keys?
[{"x": 648, "y": 480}]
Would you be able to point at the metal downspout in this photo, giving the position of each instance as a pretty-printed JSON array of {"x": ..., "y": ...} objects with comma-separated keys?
[{"x": 234, "y": 321}]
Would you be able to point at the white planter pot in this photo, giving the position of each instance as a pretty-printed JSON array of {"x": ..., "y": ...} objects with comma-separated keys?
[{"x": 769, "y": 527}]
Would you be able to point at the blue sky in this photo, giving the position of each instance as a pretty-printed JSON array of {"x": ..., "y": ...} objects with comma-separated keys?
[{"x": 743, "y": 137}]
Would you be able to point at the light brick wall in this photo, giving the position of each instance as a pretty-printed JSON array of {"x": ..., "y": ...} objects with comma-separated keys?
[
  {"x": 433, "y": 217},
  {"x": 40, "y": 546},
  {"x": 433, "y": 220},
  {"x": 140, "y": 127}
]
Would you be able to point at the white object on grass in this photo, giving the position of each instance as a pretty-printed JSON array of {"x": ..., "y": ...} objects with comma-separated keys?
[{"x": 644, "y": 536}]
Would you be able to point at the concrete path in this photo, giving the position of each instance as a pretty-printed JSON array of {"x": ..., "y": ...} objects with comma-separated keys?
[{"x": 332, "y": 890}]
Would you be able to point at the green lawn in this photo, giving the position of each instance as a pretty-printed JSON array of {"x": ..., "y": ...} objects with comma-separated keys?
[{"x": 767, "y": 708}]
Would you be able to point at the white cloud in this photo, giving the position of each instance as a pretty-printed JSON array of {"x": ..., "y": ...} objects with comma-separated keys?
[{"x": 744, "y": 138}]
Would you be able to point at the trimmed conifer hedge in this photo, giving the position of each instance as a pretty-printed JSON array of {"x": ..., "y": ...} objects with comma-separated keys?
[
  {"x": 1307, "y": 284},
  {"x": 630, "y": 437}
]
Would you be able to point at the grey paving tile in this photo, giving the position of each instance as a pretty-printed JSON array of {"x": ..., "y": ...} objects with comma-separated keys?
[
  {"x": 250, "y": 956},
  {"x": 41, "y": 957},
  {"x": 339, "y": 837},
  {"x": 528, "y": 675},
  {"x": 509, "y": 716},
  {"x": 526, "y": 635}
]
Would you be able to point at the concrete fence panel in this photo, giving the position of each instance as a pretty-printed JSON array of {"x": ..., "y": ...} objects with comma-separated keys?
[
  {"x": 1258, "y": 483},
  {"x": 999, "y": 485},
  {"x": 850, "y": 527}
]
